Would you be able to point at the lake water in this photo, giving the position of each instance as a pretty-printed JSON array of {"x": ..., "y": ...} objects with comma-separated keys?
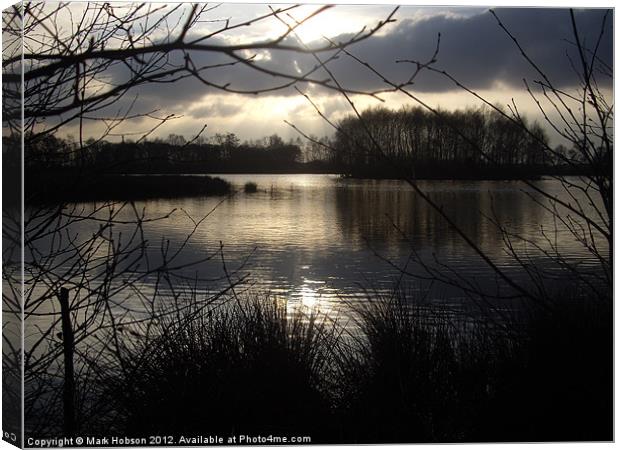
[{"x": 319, "y": 241}]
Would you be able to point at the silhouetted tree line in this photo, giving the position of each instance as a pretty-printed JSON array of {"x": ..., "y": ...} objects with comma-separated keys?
[
  {"x": 476, "y": 143},
  {"x": 221, "y": 152},
  {"x": 463, "y": 143}
]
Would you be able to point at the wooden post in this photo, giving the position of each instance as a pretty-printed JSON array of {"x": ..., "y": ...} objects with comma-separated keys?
[{"x": 69, "y": 385}]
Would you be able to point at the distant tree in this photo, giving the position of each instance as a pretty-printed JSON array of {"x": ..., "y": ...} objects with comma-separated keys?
[
  {"x": 231, "y": 140},
  {"x": 274, "y": 141},
  {"x": 176, "y": 140}
]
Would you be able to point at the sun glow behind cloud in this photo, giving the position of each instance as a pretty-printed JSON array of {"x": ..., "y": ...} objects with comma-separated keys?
[
  {"x": 327, "y": 25},
  {"x": 413, "y": 35}
]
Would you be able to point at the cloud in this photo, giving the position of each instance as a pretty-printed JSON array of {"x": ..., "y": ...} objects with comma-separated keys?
[
  {"x": 216, "y": 109},
  {"x": 473, "y": 48},
  {"x": 477, "y": 52}
]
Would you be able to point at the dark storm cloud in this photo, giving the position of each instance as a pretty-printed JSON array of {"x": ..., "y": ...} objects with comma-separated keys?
[
  {"x": 477, "y": 52},
  {"x": 474, "y": 49}
]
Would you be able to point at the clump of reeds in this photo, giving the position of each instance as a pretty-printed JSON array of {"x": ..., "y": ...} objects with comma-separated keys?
[
  {"x": 245, "y": 367},
  {"x": 405, "y": 382},
  {"x": 250, "y": 187}
]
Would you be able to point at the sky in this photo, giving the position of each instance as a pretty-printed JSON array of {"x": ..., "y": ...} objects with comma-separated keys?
[{"x": 473, "y": 49}]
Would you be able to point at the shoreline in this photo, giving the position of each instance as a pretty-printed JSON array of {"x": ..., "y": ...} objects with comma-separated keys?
[{"x": 70, "y": 185}]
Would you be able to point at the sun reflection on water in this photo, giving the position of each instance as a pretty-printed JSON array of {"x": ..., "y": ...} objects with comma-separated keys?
[{"x": 309, "y": 297}]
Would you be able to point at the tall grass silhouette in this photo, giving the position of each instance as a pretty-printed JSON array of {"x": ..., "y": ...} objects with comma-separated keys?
[{"x": 413, "y": 373}]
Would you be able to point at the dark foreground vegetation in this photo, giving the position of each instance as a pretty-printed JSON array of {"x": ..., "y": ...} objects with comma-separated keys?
[{"x": 414, "y": 374}]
